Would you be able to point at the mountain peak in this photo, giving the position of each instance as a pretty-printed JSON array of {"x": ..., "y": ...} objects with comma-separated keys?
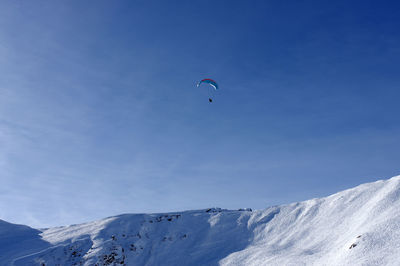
[{"x": 352, "y": 227}]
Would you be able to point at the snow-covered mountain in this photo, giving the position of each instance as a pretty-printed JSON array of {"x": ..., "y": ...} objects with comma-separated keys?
[{"x": 359, "y": 226}]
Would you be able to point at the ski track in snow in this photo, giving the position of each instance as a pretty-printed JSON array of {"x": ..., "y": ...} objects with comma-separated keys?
[{"x": 358, "y": 226}]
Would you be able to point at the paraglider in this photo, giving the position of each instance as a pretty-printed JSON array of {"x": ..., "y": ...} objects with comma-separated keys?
[{"x": 212, "y": 83}]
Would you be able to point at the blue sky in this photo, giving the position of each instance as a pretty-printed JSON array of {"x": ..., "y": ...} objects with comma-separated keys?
[{"x": 99, "y": 113}]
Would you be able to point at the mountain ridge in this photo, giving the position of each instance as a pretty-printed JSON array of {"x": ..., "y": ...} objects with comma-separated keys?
[{"x": 356, "y": 226}]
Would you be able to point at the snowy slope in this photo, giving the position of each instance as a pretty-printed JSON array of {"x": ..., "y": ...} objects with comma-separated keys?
[{"x": 359, "y": 226}]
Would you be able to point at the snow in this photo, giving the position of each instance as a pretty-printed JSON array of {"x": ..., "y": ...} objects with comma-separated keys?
[{"x": 358, "y": 226}]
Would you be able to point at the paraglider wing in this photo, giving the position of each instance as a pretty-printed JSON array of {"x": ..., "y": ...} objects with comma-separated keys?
[{"x": 209, "y": 81}]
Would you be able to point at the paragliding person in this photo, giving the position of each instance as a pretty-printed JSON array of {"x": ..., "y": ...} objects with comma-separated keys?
[{"x": 212, "y": 83}]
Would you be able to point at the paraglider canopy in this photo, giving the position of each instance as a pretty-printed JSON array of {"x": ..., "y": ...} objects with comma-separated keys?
[{"x": 209, "y": 81}]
